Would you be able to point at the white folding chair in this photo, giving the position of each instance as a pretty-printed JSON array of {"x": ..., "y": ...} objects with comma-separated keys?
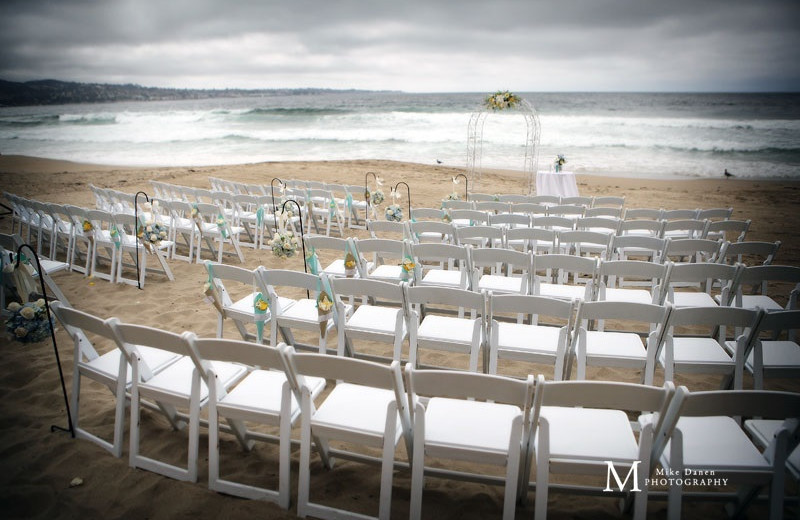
[
  {"x": 371, "y": 320},
  {"x": 702, "y": 274},
  {"x": 266, "y": 395},
  {"x": 102, "y": 225},
  {"x": 529, "y": 340},
  {"x": 692, "y": 250},
  {"x": 469, "y": 217},
  {"x": 109, "y": 368},
  {"x": 561, "y": 267},
  {"x": 749, "y": 253},
  {"x": 387, "y": 259},
  {"x": 127, "y": 230},
  {"x": 387, "y": 230},
  {"x": 582, "y": 427},
  {"x": 368, "y": 407},
  {"x": 705, "y": 349},
  {"x": 759, "y": 278},
  {"x": 720, "y": 230},
  {"x": 492, "y": 207},
  {"x": 448, "y": 333},
  {"x": 305, "y": 313},
  {"x": 216, "y": 228},
  {"x": 236, "y": 294},
  {"x": 427, "y": 231},
  {"x": 79, "y": 236},
  {"x": 501, "y": 271},
  {"x": 479, "y": 236},
  {"x": 180, "y": 385},
  {"x": 479, "y": 418},
  {"x": 584, "y": 243},
  {"x": 530, "y": 239},
  {"x": 643, "y": 214},
  {"x": 347, "y": 264},
  {"x": 686, "y": 228},
  {"x": 701, "y": 432},
  {"x": 442, "y": 265},
  {"x": 630, "y": 247},
  {"x": 322, "y": 209},
  {"x": 615, "y": 276},
  {"x": 592, "y": 345},
  {"x": 774, "y": 351}
]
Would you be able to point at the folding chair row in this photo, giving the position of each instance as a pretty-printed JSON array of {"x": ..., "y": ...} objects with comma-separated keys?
[
  {"x": 588, "y": 202},
  {"x": 443, "y": 414}
]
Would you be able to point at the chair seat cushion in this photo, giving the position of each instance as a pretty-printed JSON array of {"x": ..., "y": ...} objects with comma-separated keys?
[
  {"x": 446, "y": 329},
  {"x": 261, "y": 391},
  {"x": 693, "y": 299},
  {"x": 562, "y": 291},
  {"x": 503, "y": 284},
  {"x": 628, "y": 295},
  {"x": 355, "y": 408},
  {"x": 609, "y": 345},
  {"x": 778, "y": 354},
  {"x": 751, "y": 301},
  {"x": 476, "y": 425},
  {"x": 387, "y": 272},
  {"x": 176, "y": 379},
  {"x": 443, "y": 277},
  {"x": 590, "y": 434},
  {"x": 374, "y": 319},
  {"x": 716, "y": 443},
  {"x": 527, "y": 338},
  {"x": 303, "y": 310},
  {"x": 698, "y": 350}
]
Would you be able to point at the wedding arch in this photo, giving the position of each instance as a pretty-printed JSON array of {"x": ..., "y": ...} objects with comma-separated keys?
[{"x": 504, "y": 101}]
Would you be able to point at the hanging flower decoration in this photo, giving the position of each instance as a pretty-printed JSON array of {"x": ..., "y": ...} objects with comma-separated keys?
[
  {"x": 151, "y": 234},
  {"x": 88, "y": 227},
  {"x": 350, "y": 265},
  {"x": 408, "y": 266},
  {"x": 501, "y": 100},
  {"x": 29, "y": 322},
  {"x": 284, "y": 244},
  {"x": 454, "y": 194},
  {"x": 377, "y": 198},
  {"x": 394, "y": 213}
]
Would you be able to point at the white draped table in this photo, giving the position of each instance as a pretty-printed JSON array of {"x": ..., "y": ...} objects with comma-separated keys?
[{"x": 561, "y": 183}]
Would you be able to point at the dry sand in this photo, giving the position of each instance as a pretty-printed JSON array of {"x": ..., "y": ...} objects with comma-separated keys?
[{"x": 37, "y": 466}]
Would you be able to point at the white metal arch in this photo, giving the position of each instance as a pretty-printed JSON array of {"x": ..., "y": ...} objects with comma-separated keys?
[{"x": 475, "y": 142}]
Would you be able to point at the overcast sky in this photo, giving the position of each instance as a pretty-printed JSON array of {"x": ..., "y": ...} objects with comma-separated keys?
[{"x": 433, "y": 46}]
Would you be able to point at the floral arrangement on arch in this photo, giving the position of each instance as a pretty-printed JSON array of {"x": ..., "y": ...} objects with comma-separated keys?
[
  {"x": 501, "y": 100},
  {"x": 29, "y": 322},
  {"x": 284, "y": 244}
]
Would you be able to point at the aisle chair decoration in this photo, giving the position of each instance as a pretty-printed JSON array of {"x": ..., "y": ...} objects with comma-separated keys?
[{"x": 394, "y": 213}]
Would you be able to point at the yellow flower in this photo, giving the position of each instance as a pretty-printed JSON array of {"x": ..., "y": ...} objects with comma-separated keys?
[
  {"x": 28, "y": 313},
  {"x": 324, "y": 303},
  {"x": 20, "y": 332},
  {"x": 408, "y": 265},
  {"x": 87, "y": 226},
  {"x": 261, "y": 304},
  {"x": 39, "y": 303},
  {"x": 14, "y": 306}
]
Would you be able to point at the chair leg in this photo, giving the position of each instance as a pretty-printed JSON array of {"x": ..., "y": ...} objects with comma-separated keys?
[
  {"x": 418, "y": 464},
  {"x": 387, "y": 465},
  {"x": 305, "y": 456},
  {"x": 542, "y": 470},
  {"x": 284, "y": 464}
]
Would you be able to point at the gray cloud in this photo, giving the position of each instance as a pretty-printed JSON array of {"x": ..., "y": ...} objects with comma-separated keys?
[{"x": 412, "y": 45}]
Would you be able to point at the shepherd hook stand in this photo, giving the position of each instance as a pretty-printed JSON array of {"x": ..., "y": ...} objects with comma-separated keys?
[
  {"x": 136, "y": 233},
  {"x": 53, "y": 428},
  {"x": 302, "y": 235},
  {"x": 408, "y": 189},
  {"x": 466, "y": 185}
]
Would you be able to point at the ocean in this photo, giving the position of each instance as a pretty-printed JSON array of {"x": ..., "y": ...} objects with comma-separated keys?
[{"x": 650, "y": 135}]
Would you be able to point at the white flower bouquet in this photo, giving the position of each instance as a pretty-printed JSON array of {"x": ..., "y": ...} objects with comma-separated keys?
[
  {"x": 394, "y": 213},
  {"x": 501, "y": 100},
  {"x": 29, "y": 322},
  {"x": 284, "y": 245},
  {"x": 377, "y": 198},
  {"x": 560, "y": 161},
  {"x": 152, "y": 233}
]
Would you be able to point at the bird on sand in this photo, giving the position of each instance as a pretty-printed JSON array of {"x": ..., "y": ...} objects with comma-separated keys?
[
  {"x": 728, "y": 174},
  {"x": 438, "y": 161}
]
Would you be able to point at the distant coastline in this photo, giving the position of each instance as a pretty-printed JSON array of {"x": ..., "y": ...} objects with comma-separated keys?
[{"x": 55, "y": 92}]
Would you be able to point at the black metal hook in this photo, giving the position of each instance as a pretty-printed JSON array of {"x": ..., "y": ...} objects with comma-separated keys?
[
  {"x": 366, "y": 191},
  {"x": 53, "y": 428},
  {"x": 408, "y": 190},
  {"x": 272, "y": 191},
  {"x": 136, "y": 231},
  {"x": 302, "y": 234},
  {"x": 466, "y": 185}
]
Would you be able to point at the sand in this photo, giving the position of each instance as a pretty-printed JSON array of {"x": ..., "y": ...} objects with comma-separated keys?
[{"x": 38, "y": 466}]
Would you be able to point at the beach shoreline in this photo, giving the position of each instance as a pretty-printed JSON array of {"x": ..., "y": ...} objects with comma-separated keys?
[{"x": 38, "y": 466}]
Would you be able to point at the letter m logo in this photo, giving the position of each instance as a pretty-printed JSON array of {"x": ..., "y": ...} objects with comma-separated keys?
[{"x": 621, "y": 484}]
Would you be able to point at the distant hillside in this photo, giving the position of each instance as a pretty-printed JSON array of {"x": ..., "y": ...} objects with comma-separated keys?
[{"x": 54, "y": 92}]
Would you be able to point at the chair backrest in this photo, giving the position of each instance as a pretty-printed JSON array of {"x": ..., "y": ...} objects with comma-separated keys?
[
  {"x": 204, "y": 350},
  {"x": 728, "y": 276},
  {"x": 777, "y": 322},
  {"x": 231, "y": 272},
  {"x": 534, "y": 306},
  {"x": 492, "y": 206},
  {"x": 483, "y": 197},
  {"x": 470, "y": 385},
  {"x": 643, "y": 213},
  {"x": 566, "y": 210},
  {"x": 679, "y": 214},
  {"x": 426, "y": 214},
  {"x": 688, "y": 228},
  {"x": 577, "y": 240},
  {"x": 529, "y": 208},
  {"x": 445, "y": 229},
  {"x": 510, "y": 260},
  {"x": 641, "y": 226},
  {"x": 77, "y": 323},
  {"x": 603, "y": 394},
  {"x": 458, "y": 204},
  {"x": 649, "y": 313},
  {"x": 744, "y": 252},
  {"x": 716, "y": 214},
  {"x": 603, "y": 211},
  {"x": 513, "y": 198},
  {"x": 363, "y": 287},
  {"x": 553, "y": 222},
  {"x": 271, "y": 278},
  {"x": 477, "y": 235},
  {"x": 609, "y": 224},
  {"x": 609, "y": 201},
  {"x": 441, "y": 252},
  {"x": 510, "y": 220},
  {"x": 474, "y": 216},
  {"x": 612, "y": 270},
  {"x": 566, "y": 264},
  {"x": 426, "y": 295},
  {"x": 577, "y": 201},
  {"x": 533, "y": 237},
  {"x": 545, "y": 199},
  {"x": 699, "y": 249},
  {"x": 653, "y": 246},
  {"x": 721, "y": 228},
  {"x": 377, "y": 227}
]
